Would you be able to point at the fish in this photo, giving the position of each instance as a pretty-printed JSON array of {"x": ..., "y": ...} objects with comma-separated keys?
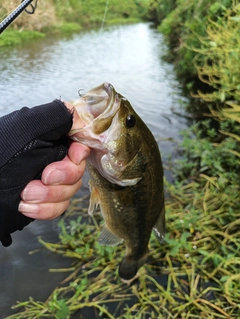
[{"x": 126, "y": 174}]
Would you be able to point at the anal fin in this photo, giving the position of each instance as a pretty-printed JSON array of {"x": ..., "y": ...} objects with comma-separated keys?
[{"x": 108, "y": 238}]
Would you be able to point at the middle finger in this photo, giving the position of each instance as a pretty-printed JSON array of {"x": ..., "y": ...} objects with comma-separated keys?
[{"x": 37, "y": 192}]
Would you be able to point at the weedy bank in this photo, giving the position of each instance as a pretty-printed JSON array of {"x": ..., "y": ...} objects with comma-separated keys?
[{"x": 189, "y": 277}]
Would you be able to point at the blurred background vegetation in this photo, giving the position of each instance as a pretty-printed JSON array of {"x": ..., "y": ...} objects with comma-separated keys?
[
  {"x": 52, "y": 15},
  {"x": 59, "y": 16}
]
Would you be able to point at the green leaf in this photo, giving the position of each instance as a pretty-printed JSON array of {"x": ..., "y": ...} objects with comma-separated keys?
[
  {"x": 63, "y": 312},
  {"x": 236, "y": 18},
  {"x": 224, "y": 278}
]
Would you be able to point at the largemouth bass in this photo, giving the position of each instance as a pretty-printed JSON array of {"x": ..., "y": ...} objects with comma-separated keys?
[{"x": 126, "y": 174}]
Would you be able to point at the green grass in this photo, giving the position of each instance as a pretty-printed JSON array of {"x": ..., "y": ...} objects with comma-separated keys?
[
  {"x": 123, "y": 21},
  {"x": 69, "y": 27},
  {"x": 14, "y": 37},
  {"x": 64, "y": 28}
]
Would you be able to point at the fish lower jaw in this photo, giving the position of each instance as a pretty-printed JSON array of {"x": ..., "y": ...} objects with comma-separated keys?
[{"x": 92, "y": 141}]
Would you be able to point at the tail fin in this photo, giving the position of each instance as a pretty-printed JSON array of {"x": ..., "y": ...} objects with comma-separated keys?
[{"x": 128, "y": 267}]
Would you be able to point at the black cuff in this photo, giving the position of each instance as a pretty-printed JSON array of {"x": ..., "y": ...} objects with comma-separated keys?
[{"x": 30, "y": 139}]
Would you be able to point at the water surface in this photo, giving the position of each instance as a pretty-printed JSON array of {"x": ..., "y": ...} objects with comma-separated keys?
[{"x": 129, "y": 57}]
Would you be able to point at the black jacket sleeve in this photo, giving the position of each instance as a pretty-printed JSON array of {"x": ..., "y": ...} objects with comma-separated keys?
[{"x": 30, "y": 139}]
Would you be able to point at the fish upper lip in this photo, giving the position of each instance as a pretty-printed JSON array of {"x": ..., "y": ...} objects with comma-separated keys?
[{"x": 108, "y": 88}]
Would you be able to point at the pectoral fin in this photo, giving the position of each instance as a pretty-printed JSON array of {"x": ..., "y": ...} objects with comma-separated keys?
[
  {"x": 159, "y": 227},
  {"x": 108, "y": 238},
  {"x": 94, "y": 198}
]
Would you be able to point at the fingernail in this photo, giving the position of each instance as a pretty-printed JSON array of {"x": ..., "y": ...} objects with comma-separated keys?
[
  {"x": 34, "y": 193},
  {"x": 26, "y": 208},
  {"x": 83, "y": 156},
  {"x": 54, "y": 176}
]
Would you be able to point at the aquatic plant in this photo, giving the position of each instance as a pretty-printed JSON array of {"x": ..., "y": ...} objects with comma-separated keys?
[{"x": 196, "y": 273}]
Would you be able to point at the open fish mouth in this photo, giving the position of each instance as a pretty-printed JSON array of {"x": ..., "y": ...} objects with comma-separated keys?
[
  {"x": 98, "y": 104},
  {"x": 97, "y": 110}
]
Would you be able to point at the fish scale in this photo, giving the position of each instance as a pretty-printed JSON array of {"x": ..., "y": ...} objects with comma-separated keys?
[{"x": 126, "y": 174}]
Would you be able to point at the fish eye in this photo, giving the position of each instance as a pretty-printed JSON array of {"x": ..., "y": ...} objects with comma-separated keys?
[{"x": 130, "y": 120}]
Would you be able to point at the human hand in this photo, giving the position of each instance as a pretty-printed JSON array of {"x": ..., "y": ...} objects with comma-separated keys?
[
  {"x": 49, "y": 197},
  {"x": 36, "y": 150}
]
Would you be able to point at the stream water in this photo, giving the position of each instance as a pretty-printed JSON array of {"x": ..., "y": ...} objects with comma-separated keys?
[{"x": 34, "y": 73}]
